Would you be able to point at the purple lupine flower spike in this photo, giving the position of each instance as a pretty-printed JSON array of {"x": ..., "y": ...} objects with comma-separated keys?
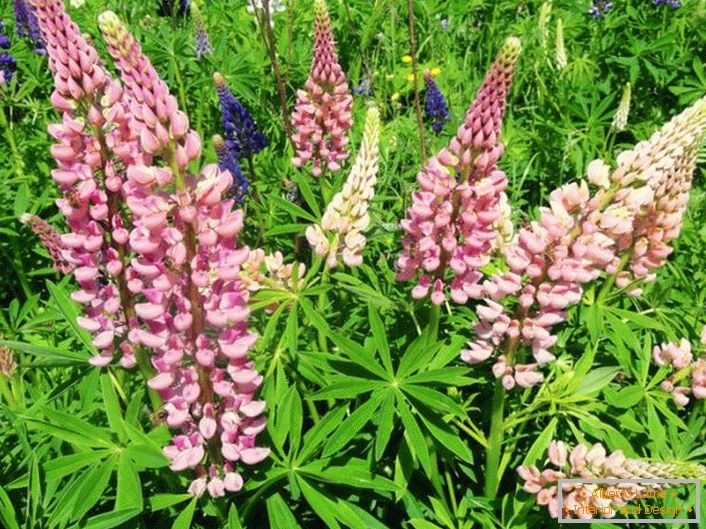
[
  {"x": 436, "y": 109},
  {"x": 7, "y": 62},
  {"x": 203, "y": 44},
  {"x": 227, "y": 161},
  {"x": 241, "y": 132},
  {"x": 27, "y": 25}
]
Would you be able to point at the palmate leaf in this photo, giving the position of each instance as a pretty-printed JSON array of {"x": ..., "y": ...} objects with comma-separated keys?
[{"x": 392, "y": 395}]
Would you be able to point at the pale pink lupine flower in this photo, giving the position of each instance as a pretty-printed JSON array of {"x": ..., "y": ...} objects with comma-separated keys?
[
  {"x": 678, "y": 357},
  {"x": 580, "y": 235},
  {"x": 346, "y": 216},
  {"x": 322, "y": 115},
  {"x": 449, "y": 231},
  {"x": 595, "y": 463}
]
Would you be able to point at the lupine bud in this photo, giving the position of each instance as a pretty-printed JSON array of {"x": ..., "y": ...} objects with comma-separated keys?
[
  {"x": 678, "y": 357},
  {"x": 155, "y": 110},
  {"x": 8, "y": 366},
  {"x": 449, "y": 229},
  {"x": 346, "y": 216},
  {"x": 560, "y": 50},
  {"x": 545, "y": 13},
  {"x": 579, "y": 499},
  {"x": 620, "y": 120},
  {"x": 51, "y": 241},
  {"x": 434, "y": 103},
  {"x": 322, "y": 115},
  {"x": 268, "y": 271}
]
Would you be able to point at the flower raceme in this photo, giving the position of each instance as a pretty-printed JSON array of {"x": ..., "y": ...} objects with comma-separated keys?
[
  {"x": 449, "y": 229},
  {"x": 346, "y": 216},
  {"x": 241, "y": 133},
  {"x": 435, "y": 105},
  {"x": 322, "y": 115},
  {"x": 678, "y": 357},
  {"x": 624, "y": 229},
  {"x": 594, "y": 463},
  {"x": 27, "y": 25},
  {"x": 50, "y": 239},
  {"x": 160, "y": 277}
]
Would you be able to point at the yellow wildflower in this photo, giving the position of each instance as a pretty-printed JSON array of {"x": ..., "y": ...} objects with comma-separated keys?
[{"x": 406, "y": 59}]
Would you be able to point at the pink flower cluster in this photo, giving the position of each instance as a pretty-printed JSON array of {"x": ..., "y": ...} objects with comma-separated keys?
[
  {"x": 450, "y": 223},
  {"x": 164, "y": 287},
  {"x": 322, "y": 115},
  {"x": 678, "y": 356},
  {"x": 582, "y": 500},
  {"x": 94, "y": 141},
  {"x": 622, "y": 229}
]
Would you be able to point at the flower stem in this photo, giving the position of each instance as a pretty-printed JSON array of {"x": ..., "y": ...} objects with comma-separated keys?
[
  {"x": 433, "y": 325},
  {"x": 264, "y": 22},
  {"x": 323, "y": 301},
  {"x": 415, "y": 75},
  {"x": 495, "y": 441}
]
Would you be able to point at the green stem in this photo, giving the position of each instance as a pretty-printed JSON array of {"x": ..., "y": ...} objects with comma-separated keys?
[
  {"x": 309, "y": 403},
  {"x": 608, "y": 283},
  {"x": 10, "y": 137},
  {"x": 415, "y": 75},
  {"x": 495, "y": 441},
  {"x": 253, "y": 177},
  {"x": 323, "y": 301},
  {"x": 433, "y": 325},
  {"x": 180, "y": 84}
]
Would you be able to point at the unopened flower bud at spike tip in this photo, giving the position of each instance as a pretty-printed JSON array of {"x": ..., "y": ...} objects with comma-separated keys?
[{"x": 620, "y": 120}]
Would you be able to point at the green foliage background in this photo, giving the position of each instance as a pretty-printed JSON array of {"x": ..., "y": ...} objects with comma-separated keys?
[{"x": 386, "y": 427}]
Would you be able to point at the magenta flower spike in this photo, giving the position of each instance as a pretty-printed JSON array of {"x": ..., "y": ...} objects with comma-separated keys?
[
  {"x": 93, "y": 142},
  {"x": 449, "y": 231},
  {"x": 623, "y": 229},
  {"x": 322, "y": 115}
]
